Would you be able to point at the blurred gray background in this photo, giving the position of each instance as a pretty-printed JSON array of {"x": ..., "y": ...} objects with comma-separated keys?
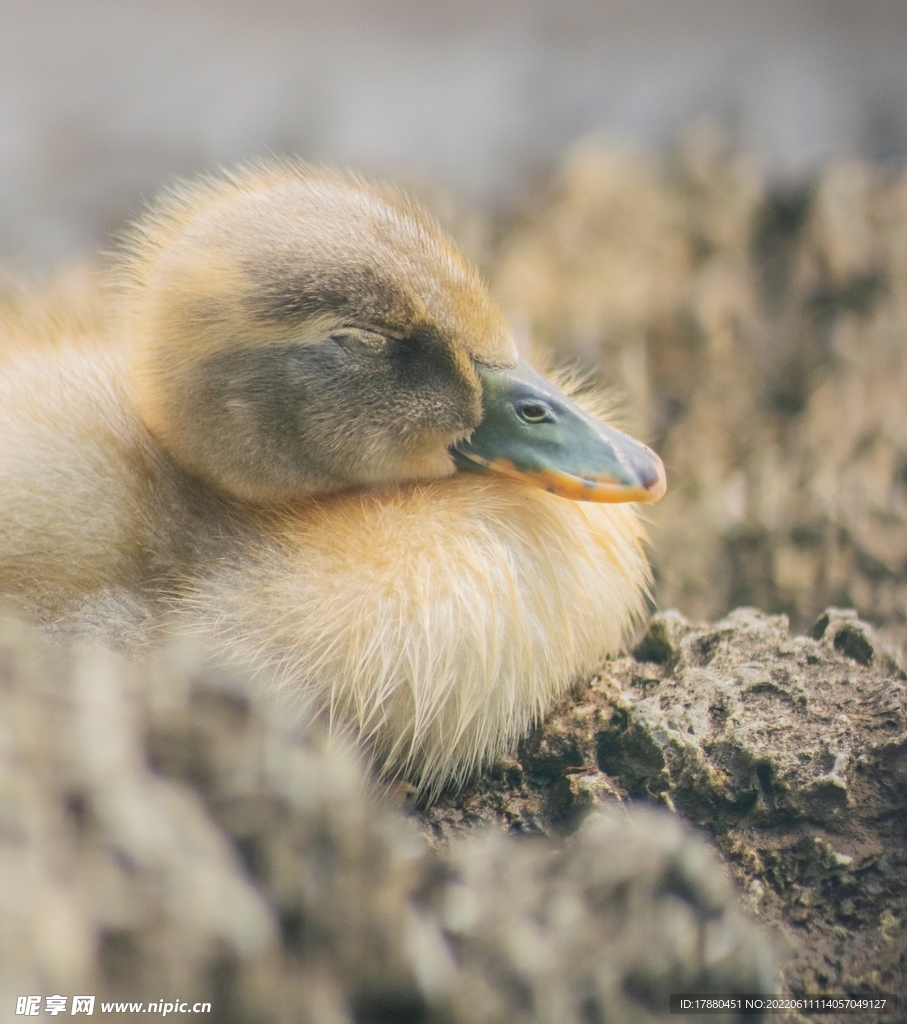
[{"x": 103, "y": 100}]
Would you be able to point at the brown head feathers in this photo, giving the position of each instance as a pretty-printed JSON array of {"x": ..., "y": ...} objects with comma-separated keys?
[{"x": 296, "y": 331}]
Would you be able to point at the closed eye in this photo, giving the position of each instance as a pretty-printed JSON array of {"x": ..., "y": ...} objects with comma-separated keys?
[{"x": 359, "y": 338}]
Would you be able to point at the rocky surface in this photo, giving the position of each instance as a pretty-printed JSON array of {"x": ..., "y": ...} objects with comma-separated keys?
[
  {"x": 163, "y": 837},
  {"x": 789, "y": 752},
  {"x": 162, "y": 832}
]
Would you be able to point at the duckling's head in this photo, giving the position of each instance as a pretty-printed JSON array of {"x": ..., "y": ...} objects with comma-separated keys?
[{"x": 294, "y": 331}]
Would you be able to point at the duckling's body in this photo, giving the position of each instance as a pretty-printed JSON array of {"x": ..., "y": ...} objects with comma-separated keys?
[
  {"x": 441, "y": 617},
  {"x": 256, "y": 450},
  {"x": 92, "y": 512}
]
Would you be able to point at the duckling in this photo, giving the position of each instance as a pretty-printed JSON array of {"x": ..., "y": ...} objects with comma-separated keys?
[{"x": 305, "y": 436}]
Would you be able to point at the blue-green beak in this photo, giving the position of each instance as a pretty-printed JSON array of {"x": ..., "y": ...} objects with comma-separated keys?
[{"x": 533, "y": 432}]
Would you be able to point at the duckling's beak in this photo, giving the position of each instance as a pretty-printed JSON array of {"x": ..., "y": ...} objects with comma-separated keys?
[{"x": 533, "y": 432}]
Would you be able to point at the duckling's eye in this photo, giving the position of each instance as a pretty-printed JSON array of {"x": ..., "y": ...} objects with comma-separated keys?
[
  {"x": 359, "y": 340},
  {"x": 530, "y": 410}
]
